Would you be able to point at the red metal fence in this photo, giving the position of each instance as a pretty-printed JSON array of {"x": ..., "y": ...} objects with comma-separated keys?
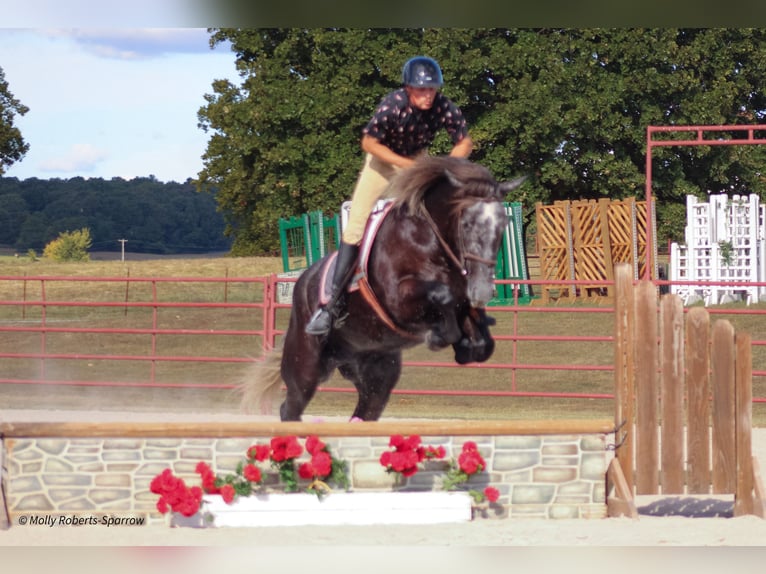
[{"x": 200, "y": 332}]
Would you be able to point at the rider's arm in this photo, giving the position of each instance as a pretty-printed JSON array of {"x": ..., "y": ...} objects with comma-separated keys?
[
  {"x": 384, "y": 153},
  {"x": 462, "y": 148}
]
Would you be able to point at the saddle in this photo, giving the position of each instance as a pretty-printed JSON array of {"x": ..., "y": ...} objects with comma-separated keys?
[{"x": 359, "y": 280}]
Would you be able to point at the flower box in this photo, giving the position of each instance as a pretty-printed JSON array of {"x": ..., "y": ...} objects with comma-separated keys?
[{"x": 337, "y": 508}]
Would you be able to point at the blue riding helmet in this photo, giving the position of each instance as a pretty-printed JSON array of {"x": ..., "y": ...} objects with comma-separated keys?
[{"x": 422, "y": 72}]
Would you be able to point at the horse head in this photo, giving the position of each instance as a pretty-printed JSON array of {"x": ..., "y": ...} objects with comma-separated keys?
[
  {"x": 481, "y": 221},
  {"x": 463, "y": 204}
]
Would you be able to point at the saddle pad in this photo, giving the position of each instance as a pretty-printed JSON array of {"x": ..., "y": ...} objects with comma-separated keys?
[{"x": 379, "y": 212}]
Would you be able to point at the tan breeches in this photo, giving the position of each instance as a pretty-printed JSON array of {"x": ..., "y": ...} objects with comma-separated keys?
[{"x": 372, "y": 181}]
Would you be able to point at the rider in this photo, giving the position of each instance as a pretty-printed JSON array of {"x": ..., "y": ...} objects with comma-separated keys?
[{"x": 401, "y": 129}]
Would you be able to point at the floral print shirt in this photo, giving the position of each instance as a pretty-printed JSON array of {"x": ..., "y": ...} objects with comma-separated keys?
[{"x": 407, "y": 130}]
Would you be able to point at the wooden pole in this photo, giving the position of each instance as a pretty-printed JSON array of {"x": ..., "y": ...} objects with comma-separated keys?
[
  {"x": 624, "y": 373},
  {"x": 135, "y": 429},
  {"x": 671, "y": 393},
  {"x": 698, "y": 397},
  {"x": 743, "y": 494},
  {"x": 722, "y": 365},
  {"x": 647, "y": 419}
]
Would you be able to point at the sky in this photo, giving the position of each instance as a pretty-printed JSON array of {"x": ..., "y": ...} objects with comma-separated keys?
[{"x": 112, "y": 102}]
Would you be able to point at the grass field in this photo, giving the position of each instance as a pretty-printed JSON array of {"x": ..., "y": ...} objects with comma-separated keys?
[{"x": 201, "y": 399}]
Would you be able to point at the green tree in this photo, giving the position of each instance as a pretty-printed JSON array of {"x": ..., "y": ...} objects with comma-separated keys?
[
  {"x": 569, "y": 107},
  {"x": 12, "y": 145},
  {"x": 70, "y": 246}
]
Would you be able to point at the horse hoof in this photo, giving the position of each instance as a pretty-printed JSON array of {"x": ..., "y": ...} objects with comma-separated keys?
[{"x": 356, "y": 420}]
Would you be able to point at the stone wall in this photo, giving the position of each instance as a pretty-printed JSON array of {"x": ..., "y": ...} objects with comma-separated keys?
[{"x": 537, "y": 476}]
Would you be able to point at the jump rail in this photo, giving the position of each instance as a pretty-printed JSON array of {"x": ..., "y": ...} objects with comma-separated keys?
[{"x": 141, "y": 429}]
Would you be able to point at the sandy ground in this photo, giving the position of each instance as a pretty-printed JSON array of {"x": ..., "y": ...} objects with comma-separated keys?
[{"x": 682, "y": 521}]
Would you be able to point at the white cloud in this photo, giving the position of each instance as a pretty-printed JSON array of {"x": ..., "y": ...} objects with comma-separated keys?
[
  {"x": 118, "y": 116},
  {"x": 79, "y": 158},
  {"x": 137, "y": 43}
]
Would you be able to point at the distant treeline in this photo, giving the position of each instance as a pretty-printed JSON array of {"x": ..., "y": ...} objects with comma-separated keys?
[{"x": 154, "y": 217}]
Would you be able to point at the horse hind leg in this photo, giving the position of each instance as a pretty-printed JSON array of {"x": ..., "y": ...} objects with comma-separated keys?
[
  {"x": 375, "y": 375},
  {"x": 304, "y": 368},
  {"x": 301, "y": 386}
]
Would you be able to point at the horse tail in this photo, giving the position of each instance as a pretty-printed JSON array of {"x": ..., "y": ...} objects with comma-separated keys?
[{"x": 261, "y": 389}]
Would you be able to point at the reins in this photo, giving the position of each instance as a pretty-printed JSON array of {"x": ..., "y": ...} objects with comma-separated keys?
[{"x": 459, "y": 262}]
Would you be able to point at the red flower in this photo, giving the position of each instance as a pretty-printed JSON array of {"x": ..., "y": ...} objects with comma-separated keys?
[
  {"x": 407, "y": 454},
  {"x": 435, "y": 452},
  {"x": 259, "y": 452},
  {"x": 470, "y": 459},
  {"x": 314, "y": 445},
  {"x": 285, "y": 448},
  {"x": 491, "y": 493},
  {"x": 227, "y": 493},
  {"x": 252, "y": 473},
  {"x": 175, "y": 495},
  {"x": 208, "y": 478},
  {"x": 471, "y": 462},
  {"x": 306, "y": 471},
  {"x": 320, "y": 466}
]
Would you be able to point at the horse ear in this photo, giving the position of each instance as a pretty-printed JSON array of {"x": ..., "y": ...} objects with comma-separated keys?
[
  {"x": 452, "y": 179},
  {"x": 507, "y": 186}
]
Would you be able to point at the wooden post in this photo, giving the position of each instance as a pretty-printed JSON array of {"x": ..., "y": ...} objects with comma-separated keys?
[
  {"x": 722, "y": 365},
  {"x": 698, "y": 393},
  {"x": 671, "y": 393},
  {"x": 624, "y": 384},
  {"x": 647, "y": 443},
  {"x": 606, "y": 241},
  {"x": 5, "y": 522},
  {"x": 743, "y": 494}
]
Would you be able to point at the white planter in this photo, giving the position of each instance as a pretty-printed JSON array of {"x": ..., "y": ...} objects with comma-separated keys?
[{"x": 336, "y": 508}]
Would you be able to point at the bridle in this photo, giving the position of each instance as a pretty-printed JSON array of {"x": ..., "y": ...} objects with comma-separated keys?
[{"x": 458, "y": 262}]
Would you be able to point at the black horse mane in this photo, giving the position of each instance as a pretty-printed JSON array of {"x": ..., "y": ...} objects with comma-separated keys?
[{"x": 410, "y": 186}]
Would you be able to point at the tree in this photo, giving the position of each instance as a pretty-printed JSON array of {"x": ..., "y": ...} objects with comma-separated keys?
[
  {"x": 569, "y": 107},
  {"x": 70, "y": 246},
  {"x": 12, "y": 145}
]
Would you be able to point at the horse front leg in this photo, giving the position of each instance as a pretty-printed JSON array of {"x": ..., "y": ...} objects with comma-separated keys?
[
  {"x": 477, "y": 343},
  {"x": 442, "y": 317}
]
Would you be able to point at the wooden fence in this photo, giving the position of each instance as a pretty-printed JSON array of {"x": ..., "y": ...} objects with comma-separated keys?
[
  {"x": 683, "y": 393},
  {"x": 584, "y": 240}
]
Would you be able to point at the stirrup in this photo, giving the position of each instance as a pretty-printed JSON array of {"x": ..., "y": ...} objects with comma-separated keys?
[{"x": 320, "y": 322}]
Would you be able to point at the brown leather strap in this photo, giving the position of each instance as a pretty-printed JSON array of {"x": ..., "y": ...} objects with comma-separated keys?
[{"x": 372, "y": 300}]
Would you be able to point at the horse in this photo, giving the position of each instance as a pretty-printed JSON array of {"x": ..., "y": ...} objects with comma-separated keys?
[{"x": 428, "y": 276}]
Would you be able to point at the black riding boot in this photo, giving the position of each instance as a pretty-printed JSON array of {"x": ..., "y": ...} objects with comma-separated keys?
[{"x": 321, "y": 321}]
